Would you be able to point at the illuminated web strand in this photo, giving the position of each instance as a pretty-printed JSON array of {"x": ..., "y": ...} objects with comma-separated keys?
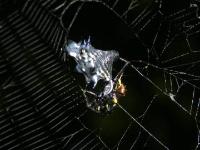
[
  {"x": 56, "y": 40},
  {"x": 156, "y": 139}
]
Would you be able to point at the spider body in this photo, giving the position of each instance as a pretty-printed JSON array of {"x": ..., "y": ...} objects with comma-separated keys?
[
  {"x": 120, "y": 88},
  {"x": 111, "y": 100},
  {"x": 96, "y": 66}
]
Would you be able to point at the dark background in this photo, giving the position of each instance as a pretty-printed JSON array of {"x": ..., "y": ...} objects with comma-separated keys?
[{"x": 164, "y": 119}]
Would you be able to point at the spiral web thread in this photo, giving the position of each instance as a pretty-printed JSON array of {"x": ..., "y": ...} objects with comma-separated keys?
[{"x": 42, "y": 106}]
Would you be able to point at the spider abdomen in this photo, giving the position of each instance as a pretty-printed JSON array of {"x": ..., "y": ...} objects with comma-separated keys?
[{"x": 96, "y": 65}]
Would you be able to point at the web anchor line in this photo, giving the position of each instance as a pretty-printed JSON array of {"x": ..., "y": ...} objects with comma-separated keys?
[{"x": 156, "y": 139}]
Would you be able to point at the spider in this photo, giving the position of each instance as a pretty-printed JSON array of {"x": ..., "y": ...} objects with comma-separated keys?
[{"x": 102, "y": 90}]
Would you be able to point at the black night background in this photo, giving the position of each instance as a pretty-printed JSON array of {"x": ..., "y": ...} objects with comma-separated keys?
[{"x": 41, "y": 102}]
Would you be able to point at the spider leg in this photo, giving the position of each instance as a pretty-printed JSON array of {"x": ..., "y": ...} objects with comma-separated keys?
[
  {"x": 119, "y": 74},
  {"x": 89, "y": 92}
]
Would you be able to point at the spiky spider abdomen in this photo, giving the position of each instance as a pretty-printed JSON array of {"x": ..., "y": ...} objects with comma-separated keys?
[{"x": 97, "y": 65}]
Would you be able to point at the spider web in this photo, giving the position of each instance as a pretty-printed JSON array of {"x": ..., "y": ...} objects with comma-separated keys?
[{"x": 42, "y": 105}]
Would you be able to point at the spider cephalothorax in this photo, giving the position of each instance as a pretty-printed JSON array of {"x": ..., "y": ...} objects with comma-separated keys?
[{"x": 96, "y": 65}]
